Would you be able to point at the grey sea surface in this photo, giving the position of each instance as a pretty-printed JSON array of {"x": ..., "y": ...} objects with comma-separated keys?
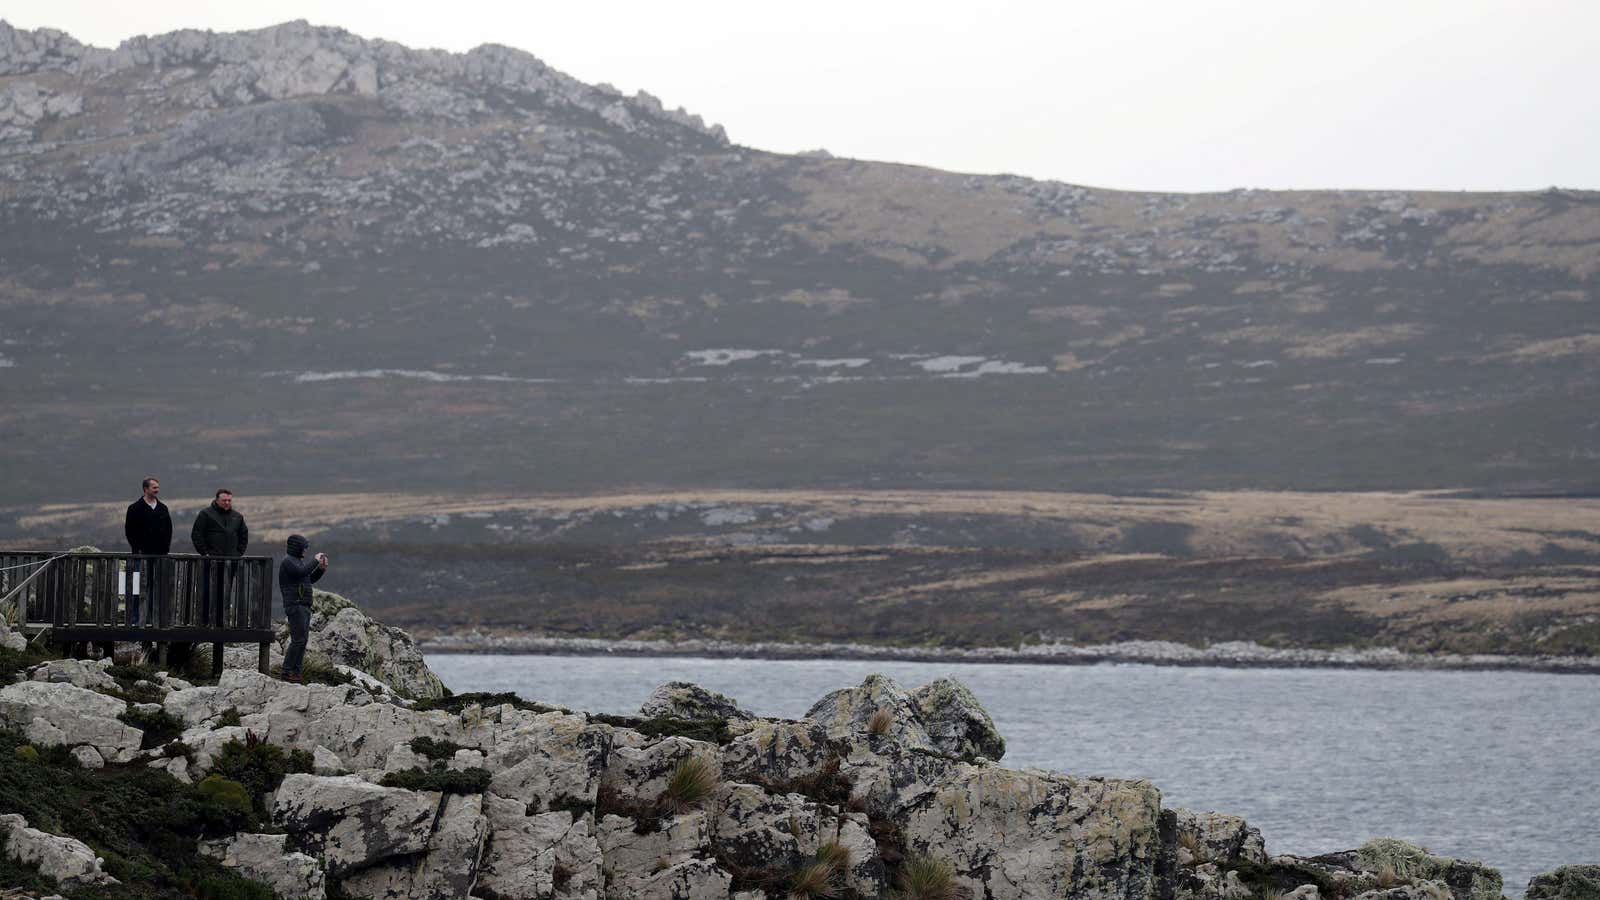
[{"x": 1498, "y": 766}]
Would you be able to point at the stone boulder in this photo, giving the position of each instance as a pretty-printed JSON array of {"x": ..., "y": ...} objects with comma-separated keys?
[
  {"x": 956, "y": 723},
  {"x": 683, "y": 700},
  {"x": 775, "y": 752},
  {"x": 70, "y": 862},
  {"x": 1566, "y": 883},
  {"x": 640, "y": 774},
  {"x": 849, "y": 711},
  {"x": 449, "y": 867},
  {"x": 1208, "y": 837},
  {"x": 82, "y": 673},
  {"x": 756, "y": 830},
  {"x": 350, "y": 823},
  {"x": 631, "y": 859},
  {"x": 549, "y": 760},
  {"x": 344, "y": 635},
  {"x": 52, "y": 713},
  {"x": 534, "y": 857},
  {"x": 266, "y": 858},
  {"x": 1026, "y": 834}
]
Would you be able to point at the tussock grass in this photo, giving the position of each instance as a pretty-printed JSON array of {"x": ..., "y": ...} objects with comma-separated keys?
[
  {"x": 813, "y": 881},
  {"x": 922, "y": 877},
  {"x": 694, "y": 779},
  {"x": 880, "y": 721}
]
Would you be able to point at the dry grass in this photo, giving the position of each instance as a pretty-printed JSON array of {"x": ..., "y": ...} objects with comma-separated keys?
[
  {"x": 880, "y": 721},
  {"x": 813, "y": 881},
  {"x": 925, "y": 878}
]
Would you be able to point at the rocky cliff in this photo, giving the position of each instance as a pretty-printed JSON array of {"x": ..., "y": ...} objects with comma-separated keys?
[{"x": 351, "y": 790}]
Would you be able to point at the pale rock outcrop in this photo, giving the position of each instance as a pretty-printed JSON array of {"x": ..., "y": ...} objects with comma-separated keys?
[
  {"x": 449, "y": 867},
  {"x": 82, "y": 673},
  {"x": 888, "y": 777},
  {"x": 956, "y": 722},
  {"x": 52, "y": 713},
  {"x": 532, "y": 857},
  {"x": 849, "y": 711},
  {"x": 267, "y": 858},
  {"x": 350, "y": 823},
  {"x": 684, "y": 700},
  {"x": 363, "y": 736},
  {"x": 695, "y": 879},
  {"x": 549, "y": 760},
  {"x": 758, "y": 830},
  {"x": 640, "y": 774},
  {"x": 1217, "y": 838},
  {"x": 540, "y": 855},
  {"x": 326, "y": 762},
  {"x": 88, "y": 757},
  {"x": 349, "y": 637},
  {"x": 631, "y": 858},
  {"x": 774, "y": 751},
  {"x": 1565, "y": 883},
  {"x": 1027, "y": 833},
  {"x": 67, "y": 860},
  {"x": 14, "y": 641}
]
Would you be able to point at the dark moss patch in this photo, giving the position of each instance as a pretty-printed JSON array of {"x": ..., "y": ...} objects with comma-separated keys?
[
  {"x": 434, "y": 749},
  {"x": 465, "y": 781},
  {"x": 146, "y": 824},
  {"x": 646, "y": 816},
  {"x": 711, "y": 730},
  {"x": 455, "y": 703},
  {"x": 159, "y": 726}
]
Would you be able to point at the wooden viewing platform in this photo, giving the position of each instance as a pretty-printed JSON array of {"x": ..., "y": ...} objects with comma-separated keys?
[{"x": 172, "y": 602}]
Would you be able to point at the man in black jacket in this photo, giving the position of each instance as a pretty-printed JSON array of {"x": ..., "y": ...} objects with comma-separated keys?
[
  {"x": 296, "y": 575},
  {"x": 219, "y": 531},
  {"x": 148, "y": 528}
]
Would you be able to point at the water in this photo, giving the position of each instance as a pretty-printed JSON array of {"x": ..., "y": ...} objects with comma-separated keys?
[{"x": 1496, "y": 766}]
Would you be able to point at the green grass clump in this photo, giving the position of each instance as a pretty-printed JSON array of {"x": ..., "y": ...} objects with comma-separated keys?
[
  {"x": 925, "y": 878},
  {"x": 694, "y": 779},
  {"x": 464, "y": 781},
  {"x": 259, "y": 766},
  {"x": 814, "y": 880},
  {"x": 146, "y": 824},
  {"x": 159, "y": 726},
  {"x": 227, "y": 792}
]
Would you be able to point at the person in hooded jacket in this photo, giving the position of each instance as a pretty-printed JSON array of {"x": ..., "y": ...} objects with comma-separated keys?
[{"x": 296, "y": 575}]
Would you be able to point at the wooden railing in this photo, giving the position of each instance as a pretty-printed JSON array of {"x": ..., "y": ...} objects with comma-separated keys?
[{"x": 177, "y": 600}]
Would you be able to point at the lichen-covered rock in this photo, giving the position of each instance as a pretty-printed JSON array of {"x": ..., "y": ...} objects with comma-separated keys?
[
  {"x": 770, "y": 751},
  {"x": 549, "y": 760},
  {"x": 955, "y": 721},
  {"x": 684, "y": 700},
  {"x": 889, "y": 777},
  {"x": 448, "y": 869},
  {"x": 631, "y": 859},
  {"x": 351, "y": 823},
  {"x": 67, "y": 860},
  {"x": 849, "y": 711},
  {"x": 89, "y": 674},
  {"x": 534, "y": 857},
  {"x": 1208, "y": 837},
  {"x": 1025, "y": 834},
  {"x": 57, "y": 713},
  {"x": 267, "y": 858},
  {"x": 695, "y": 879},
  {"x": 640, "y": 774},
  {"x": 349, "y": 637},
  {"x": 1565, "y": 883},
  {"x": 757, "y": 830}
]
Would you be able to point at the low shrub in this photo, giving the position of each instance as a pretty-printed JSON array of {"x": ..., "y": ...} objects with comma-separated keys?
[
  {"x": 456, "y": 703},
  {"x": 448, "y": 781},
  {"x": 710, "y": 730},
  {"x": 227, "y": 792},
  {"x": 229, "y": 718},
  {"x": 159, "y": 726},
  {"x": 435, "y": 749},
  {"x": 259, "y": 766}
]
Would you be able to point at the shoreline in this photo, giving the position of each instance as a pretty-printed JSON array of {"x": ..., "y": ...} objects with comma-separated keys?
[{"x": 1232, "y": 654}]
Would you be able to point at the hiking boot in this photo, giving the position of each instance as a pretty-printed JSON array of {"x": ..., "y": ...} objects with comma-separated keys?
[{"x": 295, "y": 677}]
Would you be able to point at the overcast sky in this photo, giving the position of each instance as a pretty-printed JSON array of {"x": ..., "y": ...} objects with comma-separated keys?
[{"x": 1186, "y": 95}]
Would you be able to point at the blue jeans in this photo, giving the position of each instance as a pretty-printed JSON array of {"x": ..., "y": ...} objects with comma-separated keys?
[{"x": 299, "y": 629}]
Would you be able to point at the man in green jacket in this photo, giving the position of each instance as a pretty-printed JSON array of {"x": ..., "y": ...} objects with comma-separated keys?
[{"x": 219, "y": 531}]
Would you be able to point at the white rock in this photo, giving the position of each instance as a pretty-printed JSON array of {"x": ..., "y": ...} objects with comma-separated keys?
[
  {"x": 639, "y": 775},
  {"x": 88, "y": 757},
  {"x": 70, "y": 862},
  {"x": 632, "y": 858},
  {"x": 450, "y": 866},
  {"x": 353, "y": 823},
  {"x": 50, "y": 713},
  {"x": 326, "y": 762},
  {"x": 538, "y": 856},
  {"x": 267, "y": 859}
]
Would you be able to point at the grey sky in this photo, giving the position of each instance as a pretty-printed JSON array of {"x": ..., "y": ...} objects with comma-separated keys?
[{"x": 1181, "y": 95}]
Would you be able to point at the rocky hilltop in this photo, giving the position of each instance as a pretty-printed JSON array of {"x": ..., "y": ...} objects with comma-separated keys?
[
  {"x": 253, "y": 786},
  {"x": 440, "y": 252}
]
